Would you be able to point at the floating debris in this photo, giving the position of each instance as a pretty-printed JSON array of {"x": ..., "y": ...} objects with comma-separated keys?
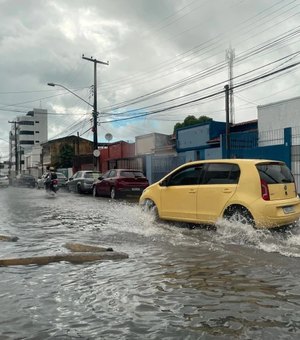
[{"x": 8, "y": 238}]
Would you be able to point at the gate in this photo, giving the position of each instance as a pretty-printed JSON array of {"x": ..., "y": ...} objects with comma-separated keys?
[{"x": 161, "y": 165}]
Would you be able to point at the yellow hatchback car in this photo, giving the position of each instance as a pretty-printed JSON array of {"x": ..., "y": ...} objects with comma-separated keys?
[{"x": 254, "y": 191}]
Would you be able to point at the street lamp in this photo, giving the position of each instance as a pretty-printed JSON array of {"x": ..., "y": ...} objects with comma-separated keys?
[
  {"x": 75, "y": 94},
  {"x": 95, "y": 113}
]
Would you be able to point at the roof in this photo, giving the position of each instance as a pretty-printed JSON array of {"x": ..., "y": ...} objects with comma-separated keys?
[{"x": 68, "y": 138}]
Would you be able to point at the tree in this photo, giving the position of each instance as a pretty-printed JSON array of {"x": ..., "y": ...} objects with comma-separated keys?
[
  {"x": 192, "y": 120},
  {"x": 65, "y": 156}
]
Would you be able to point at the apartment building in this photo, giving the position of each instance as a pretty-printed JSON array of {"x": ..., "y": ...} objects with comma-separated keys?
[{"x": 26, "y": 135}]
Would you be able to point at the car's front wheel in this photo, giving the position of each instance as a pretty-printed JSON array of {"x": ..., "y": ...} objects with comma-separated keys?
[
  {"x": 95, "y": 194},
  {"x": 113, "y": 193},
  {"x": 151, "y": 208},
  {"x": 79, "y": 190}
]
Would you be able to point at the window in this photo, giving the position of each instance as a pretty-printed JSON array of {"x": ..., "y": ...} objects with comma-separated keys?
[
  {"x": 275, "y": 173},
  {"x": 25, "y": 132},
  {"x": 25, "y": 122},
  {"x": 78, "y": 174},
  {"x": 26, "y": 142},
  {"x": 221, "y": 173},
  {"x": 113, "y": 173},
  {"x": 187, "y": 176},
  {"x": 132, "y": 174}
]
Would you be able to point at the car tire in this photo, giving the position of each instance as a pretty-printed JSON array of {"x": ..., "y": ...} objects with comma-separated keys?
[
  {"x": 113, "y": 193},
  {"x": 151, "y": 208},
  {"x": 95, "y": 194},
  {"x": 239, "y": 214},
  {"x": 79, "y": 190}
]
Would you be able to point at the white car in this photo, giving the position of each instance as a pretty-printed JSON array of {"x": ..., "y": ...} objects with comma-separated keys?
[{"x": 4, "y": 181}]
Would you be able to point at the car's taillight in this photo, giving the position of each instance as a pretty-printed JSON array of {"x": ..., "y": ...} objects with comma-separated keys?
[{"x": 264, "y": 190}]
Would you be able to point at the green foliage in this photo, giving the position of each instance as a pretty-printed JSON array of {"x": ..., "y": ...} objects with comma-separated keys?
[
  {"x": 192, "y": 120},
  {"x": 65, "y": 157}
]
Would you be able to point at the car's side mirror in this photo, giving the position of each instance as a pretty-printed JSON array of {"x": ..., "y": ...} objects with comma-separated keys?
[
  {"x": 163, "y": 183},
  {"x": 71, "y": 179},
  {"x": 100, "y": 178}
]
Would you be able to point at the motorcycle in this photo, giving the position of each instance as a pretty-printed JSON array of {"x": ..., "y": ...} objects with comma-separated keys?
[{"x": 51, "y": 186}]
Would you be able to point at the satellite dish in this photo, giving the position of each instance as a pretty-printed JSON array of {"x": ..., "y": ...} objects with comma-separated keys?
[{"x": 108, "y": 137}]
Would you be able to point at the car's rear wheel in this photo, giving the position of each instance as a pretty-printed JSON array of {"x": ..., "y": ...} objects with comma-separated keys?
[
  {"x": 95, "y": 194},
  {"x": 239, "y": 214}
]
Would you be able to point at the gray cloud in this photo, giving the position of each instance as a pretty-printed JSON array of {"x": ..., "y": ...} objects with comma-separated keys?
[{"x": 150, "y": 45}]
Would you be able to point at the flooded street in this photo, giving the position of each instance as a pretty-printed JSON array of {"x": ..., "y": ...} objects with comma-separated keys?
[{"x": 178, "y": 283}]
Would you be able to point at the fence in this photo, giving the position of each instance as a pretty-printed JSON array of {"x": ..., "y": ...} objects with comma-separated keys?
[{"x": 158, "y": 166}]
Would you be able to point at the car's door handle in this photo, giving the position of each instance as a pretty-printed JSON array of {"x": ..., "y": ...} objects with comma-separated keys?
[
  {"x": 227, "y": 190},
  {"x": 192, "y": 191}
]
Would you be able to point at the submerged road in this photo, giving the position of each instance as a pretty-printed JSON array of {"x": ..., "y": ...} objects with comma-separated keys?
[{"x": 177, "y": 283}]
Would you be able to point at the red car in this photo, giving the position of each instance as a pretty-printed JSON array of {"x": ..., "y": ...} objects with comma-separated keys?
[{"x": 120, "y": 182}]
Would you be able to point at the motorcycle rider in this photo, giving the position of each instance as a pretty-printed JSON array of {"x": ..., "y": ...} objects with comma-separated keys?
[{"x": 51, "y": 175}]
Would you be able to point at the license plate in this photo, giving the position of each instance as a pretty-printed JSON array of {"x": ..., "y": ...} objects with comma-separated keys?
[
  {"x": 135, "y": 189},
  {"x": 288, "y": 210}
]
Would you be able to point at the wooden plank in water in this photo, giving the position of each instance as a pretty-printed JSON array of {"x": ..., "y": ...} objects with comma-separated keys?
[{"x": 70, "y": 257}]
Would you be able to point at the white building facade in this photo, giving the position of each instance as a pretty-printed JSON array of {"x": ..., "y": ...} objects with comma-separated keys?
[
  {"x": 273, "y": 118},
  {"x": 28, "y": 132}
]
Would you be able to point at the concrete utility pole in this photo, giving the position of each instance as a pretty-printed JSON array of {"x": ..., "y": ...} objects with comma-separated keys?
[
  {"x": 95, "y": 110},
  {"x": 230, "y": 55},
  {"x": 227, "y": 121},
  {"x": 16, "y": 147}
]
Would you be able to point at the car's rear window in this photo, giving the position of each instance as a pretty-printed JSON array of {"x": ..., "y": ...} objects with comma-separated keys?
[
  {"x": 94, "y": 175},
  {"x": 132, "y": 174},
  {"x": 273, "y": 173}
]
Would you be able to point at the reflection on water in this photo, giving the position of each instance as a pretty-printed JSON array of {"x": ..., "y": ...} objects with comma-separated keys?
[{"x": 178, "y": 283}]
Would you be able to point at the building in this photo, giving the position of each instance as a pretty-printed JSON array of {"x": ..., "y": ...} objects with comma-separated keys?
[
  {"x": 27, "y": 134},
  {"x": 274, "y": 120},
  {"x": 74, "y": 149}
]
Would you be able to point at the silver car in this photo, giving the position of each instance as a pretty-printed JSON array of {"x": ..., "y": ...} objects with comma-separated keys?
[
  {"x": 61, "y": 178},
  {"x": 82, "y": 181}
]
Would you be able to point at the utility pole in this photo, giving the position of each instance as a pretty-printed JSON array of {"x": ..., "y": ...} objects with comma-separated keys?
[
  {"x": 16, "y": 147},
  {"x": 230, "y": 55},
  {"x": 227, "y": 121},
  {"x": 95, "y": 110}
]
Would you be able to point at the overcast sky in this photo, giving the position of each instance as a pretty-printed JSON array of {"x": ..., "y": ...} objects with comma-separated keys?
[{"x": 167, "y": 60}]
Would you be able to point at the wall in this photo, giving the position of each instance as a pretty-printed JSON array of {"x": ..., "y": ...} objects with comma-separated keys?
[
  {"x": 144, "y": 144},
  {"x": 192, "y": 137},
  {"x": 213, "y": 153},
  {"x": 196, "y": 136},
  {"x": 279, "y": 115}
]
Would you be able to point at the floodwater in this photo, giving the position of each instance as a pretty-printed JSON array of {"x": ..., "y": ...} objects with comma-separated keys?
[{"x": 178, "y": 283}]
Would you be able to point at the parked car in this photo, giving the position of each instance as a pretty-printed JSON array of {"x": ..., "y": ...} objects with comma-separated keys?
[
  {"x": 120, "y": 182},
  {"x": 62, "y": 180},
  {"x": 4, "y": 181},
  {"x": 25, "y": 180},
  {"x": 258, "y": 192},
  {"x": 82, "y": 181}
]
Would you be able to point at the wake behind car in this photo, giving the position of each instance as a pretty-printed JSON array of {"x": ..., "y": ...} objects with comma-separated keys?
[
  {"x": 82, "y": 181},
  {"x": 120, "y": 182},
  {"x": 261, "y": 193}
]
